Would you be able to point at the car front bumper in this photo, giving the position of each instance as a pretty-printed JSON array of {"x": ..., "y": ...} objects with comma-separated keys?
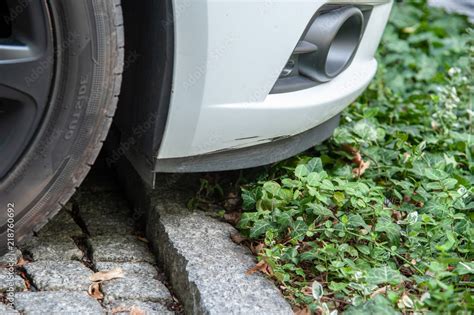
[{"x": 228, "y": 56}]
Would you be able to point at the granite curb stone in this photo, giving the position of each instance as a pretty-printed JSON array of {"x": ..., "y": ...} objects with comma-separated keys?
[{"x": 207, "y": 269}]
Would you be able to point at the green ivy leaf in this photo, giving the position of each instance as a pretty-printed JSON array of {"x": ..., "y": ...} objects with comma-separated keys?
[
  {"x": 313, "y": 179},
  {"x": 298, "y": 229},
  {"x": 318, "y": 209},
  {"x": 434, "y": 174},
  {"x": 301, "y": 171},
  {"x": 249, "y": 199},
  {"x": 377, "y": 306},
  {"x": 384, "y": 275},
  {"x": 356, "y": 220},
  {"x": 392, "y": 230},
  {"x": 273, "y": 188},
  {"x": 315, "y": 165},
  {"x": 260, "y": 227},
  {"x": 450, "y": 242},
  {"x": 339, "y": 197}
]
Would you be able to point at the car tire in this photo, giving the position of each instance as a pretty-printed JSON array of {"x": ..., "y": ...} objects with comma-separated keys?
[{"x": 85, "y": 85}]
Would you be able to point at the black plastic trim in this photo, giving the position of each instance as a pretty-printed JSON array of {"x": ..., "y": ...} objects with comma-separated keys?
[
  {"x": 149, "y": 60},
  {"x": 259, "y": 155}
]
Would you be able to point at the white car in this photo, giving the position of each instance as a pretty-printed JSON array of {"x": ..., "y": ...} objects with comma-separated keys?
[{"x": 204, "y": 85}]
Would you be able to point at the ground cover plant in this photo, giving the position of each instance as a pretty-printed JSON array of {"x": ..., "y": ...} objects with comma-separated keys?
[{"x": 379, "y": 219}]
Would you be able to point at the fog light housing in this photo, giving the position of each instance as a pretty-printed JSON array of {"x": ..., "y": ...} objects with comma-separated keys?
[
  {"x": 337, "y": 34},
  {"x": 326, "y": 48}
]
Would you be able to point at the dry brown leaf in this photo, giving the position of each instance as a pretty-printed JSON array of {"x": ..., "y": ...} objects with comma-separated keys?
[
  {"x": 302, "y": 311},
  {"x": 397, "y": 215},
  {"x": 362, "y": 165},
  {"x": 24, "y": 276},
  {"x": 142, "y": 239},
  {"x": 263, "y": 267},
  {"x": 94, "y": 291},
  {"x": 232, "y": 217},
  {"x": 107, "y": 275},
  {"x": 120, "y": 309},
  {"x": 256, "y": 249},
  {"x": 21, "y": 262},
  {"x": 308, "y": 291},
  {"x": 232, "y": 201},
  {"x": 382, "y": 290},
  {"x": 406, "y": 156},
  {"x": 237, "y": 238}
]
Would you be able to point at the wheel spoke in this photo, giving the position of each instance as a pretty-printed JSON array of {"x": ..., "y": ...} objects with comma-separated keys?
[
  {"x": 27, "y": 76},
  {"x": 26, "y": 71},
  {"x": 12, "y": 51},
  {"x": 28, "y": 22},
  {"x": 27, "y": 56}
]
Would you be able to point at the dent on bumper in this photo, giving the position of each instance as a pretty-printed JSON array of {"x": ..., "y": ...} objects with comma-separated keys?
[{"x": 221, "y": 97}]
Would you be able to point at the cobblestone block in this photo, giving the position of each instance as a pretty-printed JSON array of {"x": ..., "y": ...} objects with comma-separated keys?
[
  {"x": 138, "y": 307},
  {"x": 57, "y": 275},
  {"x": 133, "y": 287},
  {"x": 72, "y": 303},
  {"x": 9, "y": 280},
  {"x": 120, "y": 248},
  {"x": 5, "y": 310},
  {"x": 11, "y": 257},
  {"x": 103, "y": 224},
  {"x": 53, "y": 248},
  {"x": 61, "y": 225},
  {"x": 144, "y": 269}
]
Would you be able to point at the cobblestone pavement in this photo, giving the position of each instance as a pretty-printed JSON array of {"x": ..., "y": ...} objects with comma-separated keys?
[{"x": 95, "y": 232}]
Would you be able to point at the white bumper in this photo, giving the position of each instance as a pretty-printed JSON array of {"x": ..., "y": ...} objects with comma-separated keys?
[{"x": 228, "y": 56}]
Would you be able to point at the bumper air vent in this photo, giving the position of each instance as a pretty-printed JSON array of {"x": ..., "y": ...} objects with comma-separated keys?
[{"x": 326, "y": 48}]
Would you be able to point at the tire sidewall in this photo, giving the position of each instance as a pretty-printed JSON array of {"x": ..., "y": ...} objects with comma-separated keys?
[{"x": 78, "y": 115}]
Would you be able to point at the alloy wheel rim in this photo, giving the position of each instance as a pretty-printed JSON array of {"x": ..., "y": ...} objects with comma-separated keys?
[{"x": 26, "y": 72}]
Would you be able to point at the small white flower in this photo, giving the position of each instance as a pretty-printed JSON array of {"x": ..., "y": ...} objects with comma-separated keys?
[
  {"x": 412, "y": 218},
  {"x": 425, "y": 296},
  {"x": 358, "y": 275},
  {"x": 462, "y": 190},
  {"x": 453, "y": 71}
]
